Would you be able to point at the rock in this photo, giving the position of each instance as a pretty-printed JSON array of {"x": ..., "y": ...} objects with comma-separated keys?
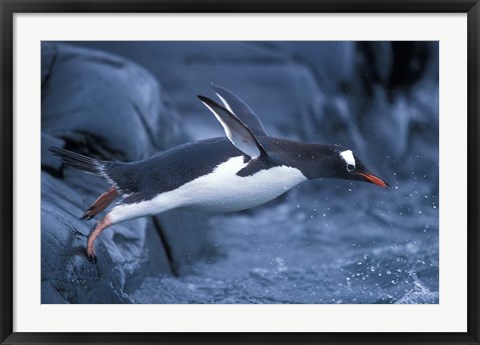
[
  {"x": 105, "y": 104},
  {"x": 183, "y": 247},
  {"x": 49, "y": 162},
  {"x": 106, "y": 107},
  {"x": 276, "y": 86},
  {"x": 51, "y": 295}
]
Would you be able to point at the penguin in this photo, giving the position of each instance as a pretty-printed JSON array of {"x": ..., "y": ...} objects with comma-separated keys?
[{"x": 245, "y": 169}]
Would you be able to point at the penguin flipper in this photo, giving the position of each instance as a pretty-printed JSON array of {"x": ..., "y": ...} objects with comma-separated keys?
[
  {"x": 237, "y": 132},
  {"x": 238, "y": 107}
]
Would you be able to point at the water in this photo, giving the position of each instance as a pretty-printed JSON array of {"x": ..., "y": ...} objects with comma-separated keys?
[{"x": 341, "y": 243}]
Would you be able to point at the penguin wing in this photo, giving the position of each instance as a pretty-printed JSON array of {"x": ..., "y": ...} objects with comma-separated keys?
[
  {"x": 237, "y": 106},
  {"x": 237, "y": 132}
]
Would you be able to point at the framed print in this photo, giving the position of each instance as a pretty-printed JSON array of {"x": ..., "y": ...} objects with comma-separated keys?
[{"x": 202, "y": 172}]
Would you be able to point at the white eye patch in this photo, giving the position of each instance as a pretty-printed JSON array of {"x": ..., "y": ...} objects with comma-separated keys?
[{"x": 347, "y": 156}]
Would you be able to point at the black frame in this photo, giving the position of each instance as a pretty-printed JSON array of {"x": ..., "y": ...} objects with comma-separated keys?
[{"x": 9, "y": 7}]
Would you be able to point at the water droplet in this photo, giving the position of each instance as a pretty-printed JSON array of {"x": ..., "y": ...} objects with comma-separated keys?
[{"x": 372, "y": 269}]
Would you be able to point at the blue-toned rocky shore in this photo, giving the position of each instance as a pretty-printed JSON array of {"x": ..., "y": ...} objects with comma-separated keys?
[{"x": 325, "y": 241}]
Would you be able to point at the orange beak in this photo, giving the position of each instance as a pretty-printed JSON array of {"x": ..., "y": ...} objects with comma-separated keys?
[{"x": 375, "y": 180}]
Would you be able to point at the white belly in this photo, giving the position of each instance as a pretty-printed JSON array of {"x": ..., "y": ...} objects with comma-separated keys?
[
  {"x": 224, "y": 191},
  {"x": 220, "y": 191}
]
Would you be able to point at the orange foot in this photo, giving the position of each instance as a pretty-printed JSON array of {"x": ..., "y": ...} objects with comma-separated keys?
[{"x": 92, "y": 236}]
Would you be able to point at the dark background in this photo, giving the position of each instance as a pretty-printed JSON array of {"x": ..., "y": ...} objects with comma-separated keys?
[{"x": 328, "y": 241}]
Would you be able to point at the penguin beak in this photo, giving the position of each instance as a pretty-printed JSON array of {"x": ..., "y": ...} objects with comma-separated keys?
[{"x": 374, "y": 179}]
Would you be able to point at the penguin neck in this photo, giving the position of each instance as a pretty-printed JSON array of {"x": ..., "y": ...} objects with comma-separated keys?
[
  {"x": 314, "y": 160},
  {"x": 323, "y": 161}
]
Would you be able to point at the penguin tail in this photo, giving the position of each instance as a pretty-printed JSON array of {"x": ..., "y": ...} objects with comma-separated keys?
[{"x": 79, "y": 161}]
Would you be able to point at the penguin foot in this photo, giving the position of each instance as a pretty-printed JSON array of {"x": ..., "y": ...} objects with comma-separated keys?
[
  {"x": 100, "y": 204},
  {"x": 91, "y": 257},
  {"x": 94, "y": 232},
  {"x": 90, "y": 249},
  {"x": 88, "y": 214}
]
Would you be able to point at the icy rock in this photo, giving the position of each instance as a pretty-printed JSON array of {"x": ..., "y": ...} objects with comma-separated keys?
[
  {"x": 51, "y": 295},
  {"x": 280, "y": 89},
  {"x": 48, "y": 160},
  {"x": 104, "y": 103},
  {"x": 107, "y": 107},
  {"x": 184, "y": 247}
]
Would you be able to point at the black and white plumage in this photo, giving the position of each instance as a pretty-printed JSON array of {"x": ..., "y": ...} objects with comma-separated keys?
[{"x": 243, "y": 170}]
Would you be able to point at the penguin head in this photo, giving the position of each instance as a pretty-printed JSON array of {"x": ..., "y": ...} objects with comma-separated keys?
[{"x": 349, "y": 166}]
